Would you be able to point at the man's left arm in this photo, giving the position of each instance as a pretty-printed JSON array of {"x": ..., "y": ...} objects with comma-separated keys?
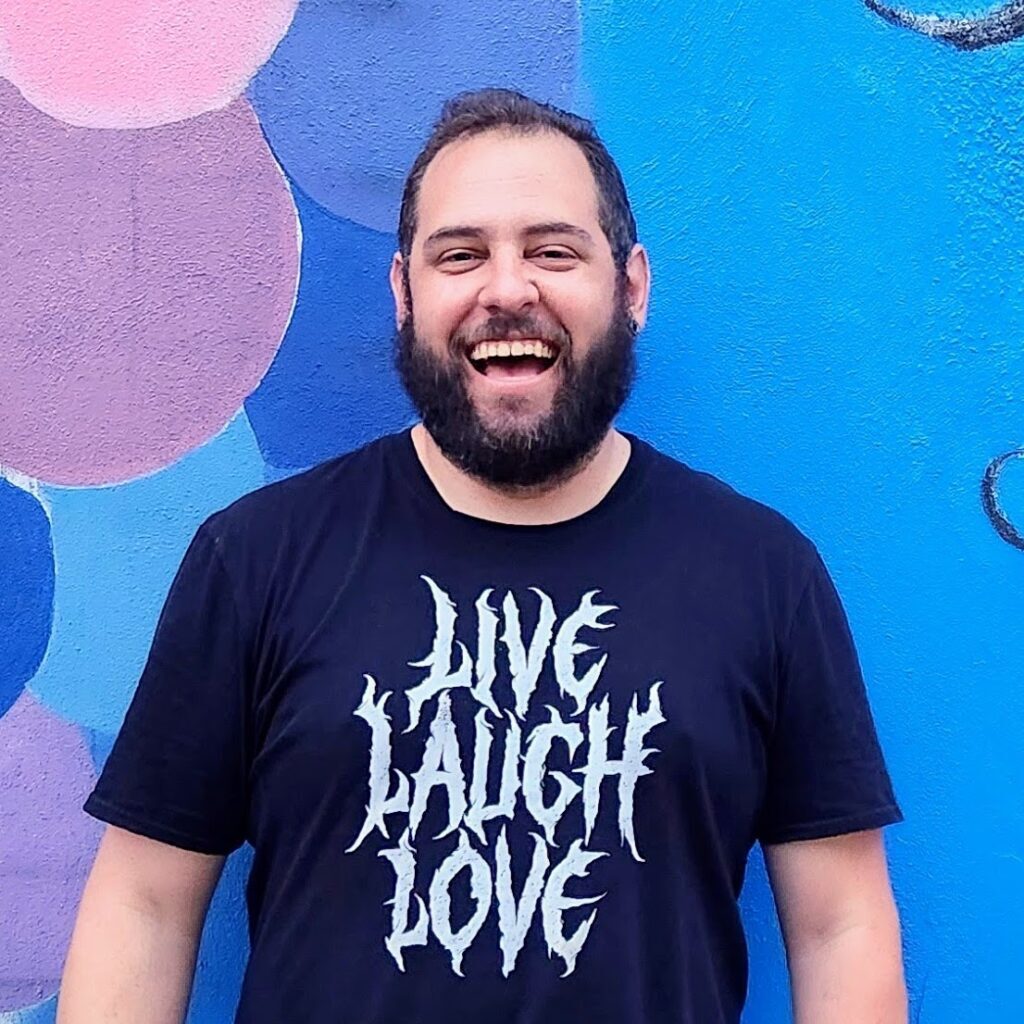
[{"x": 841, "y": 929}]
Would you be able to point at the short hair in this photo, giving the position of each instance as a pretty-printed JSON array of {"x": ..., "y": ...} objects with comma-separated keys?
[{"x": 483, "y": 110}]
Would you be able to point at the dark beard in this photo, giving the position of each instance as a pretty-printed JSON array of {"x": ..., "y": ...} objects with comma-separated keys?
[{"x": 588, "y": 399}]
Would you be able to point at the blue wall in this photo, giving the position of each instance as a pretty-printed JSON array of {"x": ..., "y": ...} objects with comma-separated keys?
[
  {"x": 836, "y": 218},
  {"x": 834, "y": 208}
]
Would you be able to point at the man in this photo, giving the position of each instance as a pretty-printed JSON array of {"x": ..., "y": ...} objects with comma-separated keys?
[{"x": 501, "y": 702}]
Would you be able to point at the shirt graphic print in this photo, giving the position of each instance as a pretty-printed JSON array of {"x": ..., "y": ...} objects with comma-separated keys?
[{"x": 497, "y": 676}]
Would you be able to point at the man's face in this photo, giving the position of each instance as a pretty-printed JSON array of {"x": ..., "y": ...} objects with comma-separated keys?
[{"x": 514, "y": 340}]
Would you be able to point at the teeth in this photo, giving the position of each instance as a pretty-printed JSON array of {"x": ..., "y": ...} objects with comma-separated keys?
[{"x": 500, "y": 349}]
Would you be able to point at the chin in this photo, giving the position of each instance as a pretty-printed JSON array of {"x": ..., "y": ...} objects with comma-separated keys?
[{"x": 511, "y": 415}]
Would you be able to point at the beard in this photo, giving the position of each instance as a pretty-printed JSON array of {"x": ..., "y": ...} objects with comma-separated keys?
[{"x": 511, "y": 457}]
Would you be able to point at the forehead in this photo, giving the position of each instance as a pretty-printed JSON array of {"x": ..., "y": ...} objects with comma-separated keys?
[{"x": 499, "y": 180}]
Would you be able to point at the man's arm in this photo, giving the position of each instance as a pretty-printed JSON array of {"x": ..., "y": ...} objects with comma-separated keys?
[
  {"x": 133, "y": 951},
  {"x": 841, "y": 929}
]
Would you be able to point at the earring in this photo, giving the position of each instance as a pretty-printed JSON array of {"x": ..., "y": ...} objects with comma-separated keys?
[{"x": 634, "y": 326}]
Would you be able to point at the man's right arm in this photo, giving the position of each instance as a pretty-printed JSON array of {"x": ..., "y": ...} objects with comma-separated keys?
[{"x": 133, "y": 951}]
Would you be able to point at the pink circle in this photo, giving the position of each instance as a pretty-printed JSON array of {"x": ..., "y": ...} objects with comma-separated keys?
[
  {"x": 47, "y": 843},
  {"x": 136, "y": 63},
  {"x": 148, "y": 280}
]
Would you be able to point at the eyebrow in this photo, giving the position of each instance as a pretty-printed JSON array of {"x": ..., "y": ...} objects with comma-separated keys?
[{"x": 553, "y": 227}]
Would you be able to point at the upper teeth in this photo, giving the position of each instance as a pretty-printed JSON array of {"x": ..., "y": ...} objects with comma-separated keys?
[{"x": 498, "y": 349}]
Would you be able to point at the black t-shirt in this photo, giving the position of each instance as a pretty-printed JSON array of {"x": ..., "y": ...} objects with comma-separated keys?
[{"x": 492, "y": 772}]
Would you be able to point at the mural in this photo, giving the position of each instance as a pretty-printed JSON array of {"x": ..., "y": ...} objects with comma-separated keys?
[
  {"x": 998, "y": 26},
  {"x": 195, "y": 252},
  {"x": 990, "y": 499}
]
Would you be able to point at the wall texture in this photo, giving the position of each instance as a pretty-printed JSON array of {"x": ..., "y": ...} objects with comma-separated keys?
[{"x": 194, "y": 249}]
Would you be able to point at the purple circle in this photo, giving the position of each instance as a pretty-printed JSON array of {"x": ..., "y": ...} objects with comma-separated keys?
[
  {"x": 148, "y": 280},
  {"x": 46, "y": 847}
]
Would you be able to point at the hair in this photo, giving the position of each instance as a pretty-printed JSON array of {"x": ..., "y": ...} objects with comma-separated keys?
[{"x": 483, "y": 110}]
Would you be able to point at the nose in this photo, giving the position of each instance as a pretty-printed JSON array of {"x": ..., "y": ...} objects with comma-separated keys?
[{"x": 509, "y": 285}]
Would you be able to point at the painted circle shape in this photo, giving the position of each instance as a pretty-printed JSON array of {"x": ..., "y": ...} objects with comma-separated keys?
[
  {"x": 348, "y": 97},
  {"x": 330, "y": 391},
  {"x": 46, "y": 847},
  {"x": 148, "y": 280},
  {"x": 26, "y": 589},
  {"x": 136, "y": 63}
]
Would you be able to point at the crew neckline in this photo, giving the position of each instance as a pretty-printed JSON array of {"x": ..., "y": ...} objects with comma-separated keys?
[{"x": 414, "y": 476}]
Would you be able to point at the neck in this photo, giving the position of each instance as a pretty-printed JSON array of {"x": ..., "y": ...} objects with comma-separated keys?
[{"x": 538, "y": 506}]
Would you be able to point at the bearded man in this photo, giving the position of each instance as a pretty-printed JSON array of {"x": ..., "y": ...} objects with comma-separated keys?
[{"x": 501, "y": 702}]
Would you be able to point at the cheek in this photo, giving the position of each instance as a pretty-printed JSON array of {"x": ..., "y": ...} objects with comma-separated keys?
[
  {"x": 441, "y": 308},
  {"x": 585, "y": 317}
]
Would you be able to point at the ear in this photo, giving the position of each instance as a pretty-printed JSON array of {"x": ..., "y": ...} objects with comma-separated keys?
[
  {"x": 638, "y": 283},
  {"x": 397, "y": 279}
]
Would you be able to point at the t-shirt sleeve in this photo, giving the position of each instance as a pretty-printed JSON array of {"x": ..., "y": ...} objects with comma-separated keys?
[
  {"x": 826, "y": 772},
  {"x": 178, "y": 770}
]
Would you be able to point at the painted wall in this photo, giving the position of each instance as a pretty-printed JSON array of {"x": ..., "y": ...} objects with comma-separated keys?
[{"x": 194, "y": 302}]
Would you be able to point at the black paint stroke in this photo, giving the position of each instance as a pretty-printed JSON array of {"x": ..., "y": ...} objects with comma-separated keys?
[
  {"x": 990, "y": 499},
  {"x": 1002, "y": 25}
]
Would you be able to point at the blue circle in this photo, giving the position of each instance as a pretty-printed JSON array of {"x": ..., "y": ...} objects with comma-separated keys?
[
  {"x": 351, "y": 91},
  {"x": 26, "y": 589},
  {"x": 332, "y": 386}
]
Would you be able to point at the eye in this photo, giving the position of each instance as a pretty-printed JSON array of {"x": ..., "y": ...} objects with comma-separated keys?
[
  {"x": 459, "y": 256},
  {"x": 552, "y": 255}
]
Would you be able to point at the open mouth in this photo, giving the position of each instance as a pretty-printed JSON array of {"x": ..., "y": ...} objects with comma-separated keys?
[{"x": 505, "y": 360}]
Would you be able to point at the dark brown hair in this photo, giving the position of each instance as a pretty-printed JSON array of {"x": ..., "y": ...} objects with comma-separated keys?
[{"x": 483, "y": 110}]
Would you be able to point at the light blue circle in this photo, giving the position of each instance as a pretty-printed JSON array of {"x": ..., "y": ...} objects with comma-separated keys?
[
  {"x": 39, "y": 1013},
  {"x": 117, "y": 549}
]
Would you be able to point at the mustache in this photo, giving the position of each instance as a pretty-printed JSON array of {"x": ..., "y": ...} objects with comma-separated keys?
[{"x": 513, "y": 327}]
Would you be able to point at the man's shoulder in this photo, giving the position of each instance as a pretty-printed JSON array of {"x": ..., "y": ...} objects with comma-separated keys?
[
  {"x": 328, "y": 491},
  {"x": 718, "y": 514}
]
